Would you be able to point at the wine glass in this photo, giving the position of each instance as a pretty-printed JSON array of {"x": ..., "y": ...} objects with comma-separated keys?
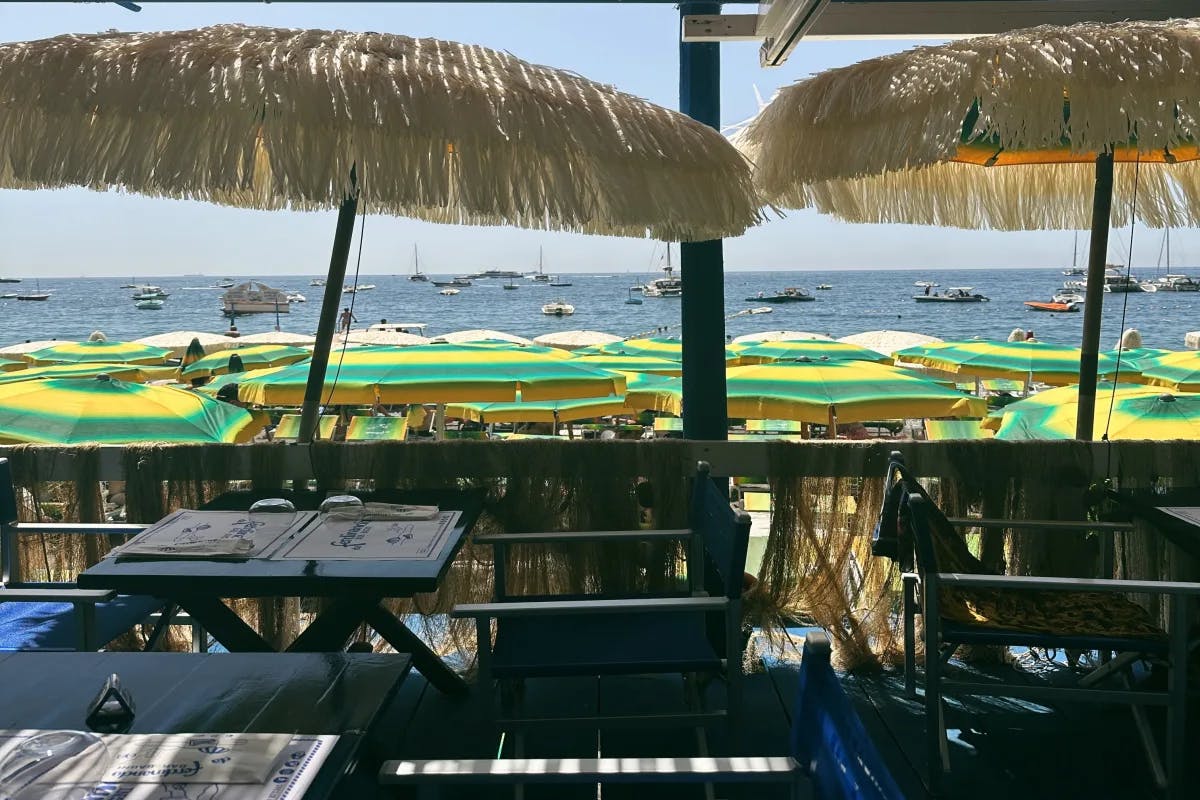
[{"x": 53, "y": 765}]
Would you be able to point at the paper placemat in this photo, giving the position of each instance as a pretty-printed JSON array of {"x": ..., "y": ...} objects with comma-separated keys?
[
  {"x": 337, "y": 539},
  {"x": 287, "y": 776},
  {"x": 214, "y": 535}
]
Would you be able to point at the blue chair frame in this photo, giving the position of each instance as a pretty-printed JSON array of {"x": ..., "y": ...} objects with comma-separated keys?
[
  {"x": 695, "y": 635},
  {"x": 57, "y": 616},
  {"x": 906, "y": 528}
]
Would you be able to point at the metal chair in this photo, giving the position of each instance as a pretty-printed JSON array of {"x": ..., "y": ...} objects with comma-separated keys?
[
  {"x": 921, "y": 538},
  {"x": 695, "y": 634},
  {"x": 54, "y": 615}
]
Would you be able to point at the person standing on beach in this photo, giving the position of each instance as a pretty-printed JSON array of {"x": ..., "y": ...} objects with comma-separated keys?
[{"x": 347, "y": 318}]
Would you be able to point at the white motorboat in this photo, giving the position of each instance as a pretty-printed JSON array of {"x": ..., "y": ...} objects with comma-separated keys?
[
  {"x": 762, "y": 310},
  {"x": 415, "y": 328},
  {"x": 417, "y": 276},
  {"x": 149, "y": 305},
  {"x": 147, "y": 291},
  {"x": 448, "y": 291},
  {"x": 8, "y": 296},
  {"x": 666, "y": 286},
  {"x": 317, "y": 282},
  {"x": 1177, "y": 283},
  {"x": 558, "y": 308},
  {"x": 1115, "y": 280},
  {"x": 823, "y": 286},
  {"x": 225, "y": 283},
  {"x": 254, "y": 297},
  {"x": 296, "y": 297},
  {"x": 9, "y": 280},
  {"x": 953, "y": 294}
]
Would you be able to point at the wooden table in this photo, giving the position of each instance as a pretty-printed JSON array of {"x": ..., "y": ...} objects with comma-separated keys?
[
  {"x": 356, "y": 587},
  {"x": 306, "y": 693},
  {"x": 1175, "y": 515}
]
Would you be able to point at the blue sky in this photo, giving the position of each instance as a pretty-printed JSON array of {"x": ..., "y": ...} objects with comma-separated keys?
[{"x": 74, "y": 232}]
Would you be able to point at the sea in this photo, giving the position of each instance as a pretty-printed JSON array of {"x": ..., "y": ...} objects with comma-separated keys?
[{"x": 859, "y": 300}]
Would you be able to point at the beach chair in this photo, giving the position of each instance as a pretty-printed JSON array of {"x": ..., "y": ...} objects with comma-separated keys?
[
  {"x": 289, "y": 427},
  {"x": 961, "y": 604},
  {"x": 830, "y": 756},
  {"x": 937, "y": 430},
  {"x": 668, "y": 427},
  {"x": 374, "y": 429},
  {"x": 693, "y": 635},
  {"x": 57, "y": 616}
]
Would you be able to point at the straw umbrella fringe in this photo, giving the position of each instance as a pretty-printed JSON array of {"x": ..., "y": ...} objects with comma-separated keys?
[
  {"x": 906, "y": 112},
  {"x": 274, "y": 118}
]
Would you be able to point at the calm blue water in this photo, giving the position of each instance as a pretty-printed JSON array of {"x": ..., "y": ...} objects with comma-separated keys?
[{"x": 859, "y": 301}]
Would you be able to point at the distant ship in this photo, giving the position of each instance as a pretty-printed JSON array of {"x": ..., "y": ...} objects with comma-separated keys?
[
  {"x": 496, "y": 273},
  {"x": 10, "y": 280}
]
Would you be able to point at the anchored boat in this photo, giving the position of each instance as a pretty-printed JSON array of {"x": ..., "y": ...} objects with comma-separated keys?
[{"x": 953, "y": 294}]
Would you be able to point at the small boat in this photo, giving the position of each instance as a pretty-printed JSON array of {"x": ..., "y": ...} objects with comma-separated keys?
[
  {"x": 317, "y": 282},
  {"x": 560, "y": 283},
  {"x": 36, "y": 295},
  {"x": 149, "y": 305},
  {"x": 1036, "y": 305},
  {"x": 1177, "y": 283},
  {"x": 296, "y": 297},
  {"x": 667, "y": 286},
  {"x": 496, "y": 273},
  {"x": 225, "y": 283},
  {"x": 823, "y": 286},
  {"x": 540, "y": 276},
  {"x": 954, "y": 294},
  {"x": 128, "y": 286},
  {"x": 931, "y": 284},
  {"x": 558, "y": 308},
  {"x": 633, "y": 301},
  {"x": 762, "y": 310},
  {"x": 1074, "y": 271},
  {"x": 358, "y": 287},
  {"x": 9, "y": 280},
  {"x": 254, "y": 297},
  {"x": 363, "y": 287},
  {"x": 449, "y": 292},
  {"x": 8, "y": 296},
  {"x": 792, "y": 294},
  {"x": 417, "y": 276},
  {"x": 149, "y": 292}
]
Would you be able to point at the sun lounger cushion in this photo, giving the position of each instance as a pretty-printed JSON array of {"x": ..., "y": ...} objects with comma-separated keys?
[
  {"x": 55, "y": 626},
  {"x": 1083, "y": 614}
]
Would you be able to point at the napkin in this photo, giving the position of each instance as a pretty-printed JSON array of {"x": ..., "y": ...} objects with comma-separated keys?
[{"x": 384, "y": 511}]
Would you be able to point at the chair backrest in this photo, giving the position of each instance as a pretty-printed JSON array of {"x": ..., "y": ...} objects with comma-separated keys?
[
  {"x": 724, "y": 532},
  {"x": 828, "y": 738},
  {"x": 289, "y": 426},
  {"x": 369, "y": 429}
]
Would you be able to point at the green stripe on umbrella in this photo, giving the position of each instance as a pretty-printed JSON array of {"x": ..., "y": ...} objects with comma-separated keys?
[
  {"x": 70, "y": 411},
  {"x": 123, "y": 372},
  {"x": 622, "y": 363},
  {"x": 109, "y": 352},
  {"x": 1178, "y": 371},
  {"x": 1142, "y": 412},
  {"x": 658, "y": 346},
  {"x": 812, "y": 349},
  {"x": 259, "y": 356}
]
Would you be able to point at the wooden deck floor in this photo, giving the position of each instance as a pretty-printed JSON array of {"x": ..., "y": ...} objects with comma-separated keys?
[{"x": 1000, "y": 748}]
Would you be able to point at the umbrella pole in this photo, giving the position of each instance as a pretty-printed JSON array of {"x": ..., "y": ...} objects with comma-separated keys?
[
  {"x": 702, "y": 263},
  {"x": 329, "y": 310},
  {"x": 1093, "y": 302}
]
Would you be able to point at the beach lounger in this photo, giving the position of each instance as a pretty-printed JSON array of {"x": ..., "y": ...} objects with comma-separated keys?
[
  {"x": 937, "y": 430},
  {"x": 373, "y": 429},
  {"x": 289, "y": 427},
  {"x": 57, "y": 616}
]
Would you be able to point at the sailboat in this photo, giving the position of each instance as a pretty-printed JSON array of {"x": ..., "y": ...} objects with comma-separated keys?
[
  {"x": 667, "y": 286},
  {"x": 37, "y": 294},
  {"x": 1170, "y": 282},
  {"x": 1075, "y": 269},
  {"x": 540, "y": 276},
  {"x": 633, "y": 301},
  {"x": 511, "y": 285},
  {"x": 417, "y": 275}
]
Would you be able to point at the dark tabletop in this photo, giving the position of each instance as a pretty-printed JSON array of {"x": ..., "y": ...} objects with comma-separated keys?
[
  {"x": 306, "y": 693},
  {"x": 294, "y": 578},
  {"x": 1148, "y": 505}
]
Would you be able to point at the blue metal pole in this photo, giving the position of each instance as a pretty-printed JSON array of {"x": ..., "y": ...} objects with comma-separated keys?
[{"x": 702, "y": 263}]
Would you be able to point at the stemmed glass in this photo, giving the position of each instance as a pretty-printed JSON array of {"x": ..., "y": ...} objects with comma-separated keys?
[{"x": 54, "y": 765}]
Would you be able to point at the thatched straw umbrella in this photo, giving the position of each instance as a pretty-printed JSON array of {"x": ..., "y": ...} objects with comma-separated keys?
[
  {"x": 178, "y": 341},
  {"x": 272, "y": 118},
  {"x": 919, "y": 136}
]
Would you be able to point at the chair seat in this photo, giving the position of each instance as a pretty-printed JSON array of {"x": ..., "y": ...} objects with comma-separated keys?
[
  {"x": 965, "y": 633},
  {"x": 55, "y": 626},
  {"x": 602, "y": 644}
]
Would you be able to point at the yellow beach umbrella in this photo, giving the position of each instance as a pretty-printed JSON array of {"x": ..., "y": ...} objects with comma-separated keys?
[
  {"x": 814, "y": 349},
  {"x": 1144, "y": 413},
  {"x": 99, "y": 351},
  {"x": 539, "y": 411},
  {"x": 253, "y": 357},
  {"x": 1177, "y": 371},
  {"x": 620, "y": 363},
  {"x": 123, "y": 372},
  {"x": 69, "y": 411}
]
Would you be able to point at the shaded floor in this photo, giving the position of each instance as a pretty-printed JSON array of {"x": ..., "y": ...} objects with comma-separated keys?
[{"x": 1000, "y": 749}]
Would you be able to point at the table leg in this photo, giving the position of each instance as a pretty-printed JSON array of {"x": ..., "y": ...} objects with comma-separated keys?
[
  {"x": 223, "y": 625},
  {"x": 430, "y": 665},
  {"x": 333, "y": 626}
]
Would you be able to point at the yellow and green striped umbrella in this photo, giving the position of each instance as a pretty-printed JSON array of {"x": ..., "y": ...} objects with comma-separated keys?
[
  {"x": 658, "y": 346},
  {"x": 11, "y": 365},
  {"x": 436, "y": 373},
  {"x": 108, "y": 352},
  {"x": 1133, "y": 359},
  {"x": 809, "y": 391},
  {"x": 1143, "y": 413},
  {"x": 123, "y": 372},
  {"x": 1177, "y": 371},
  {"x": 72, "y": 411},
  {"x": 813, "y": 349},
  {"x": 648, "y": 364},
  {"x": 539, "y": 411},
  {"x": 1052, "y": 398},
  {"x": 259, "y": 356},
  {"x": 1039, "y": 361}
]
